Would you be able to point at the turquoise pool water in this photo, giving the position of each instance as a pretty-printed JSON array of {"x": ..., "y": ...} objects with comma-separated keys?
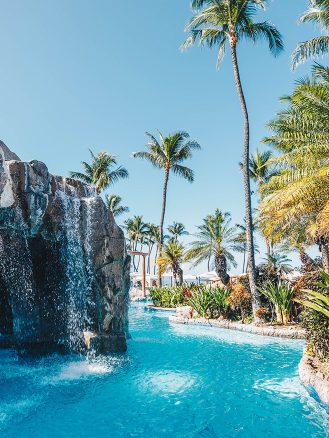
[{"x": 175, "y": 381}]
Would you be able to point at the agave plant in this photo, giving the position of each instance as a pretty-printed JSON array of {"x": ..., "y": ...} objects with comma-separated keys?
[
  {"x": 220, "y": 301},
  {"x": 316, "y": 300},
  {"x": 281, "y": 296},
  {"x": 201, "y": 301}
]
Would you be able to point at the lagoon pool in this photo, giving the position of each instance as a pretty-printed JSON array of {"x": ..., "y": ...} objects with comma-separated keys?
[{"x": 174, "y": 381}]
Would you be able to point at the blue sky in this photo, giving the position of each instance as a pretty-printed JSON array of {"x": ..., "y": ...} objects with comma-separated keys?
[{"x": 79, "y": 74}]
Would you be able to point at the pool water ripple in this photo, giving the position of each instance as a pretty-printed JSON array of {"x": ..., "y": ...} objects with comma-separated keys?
[{"x": 174, "y": 381}]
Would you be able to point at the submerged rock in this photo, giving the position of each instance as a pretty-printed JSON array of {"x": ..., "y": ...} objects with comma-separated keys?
[{"x": 64, "y": 269}]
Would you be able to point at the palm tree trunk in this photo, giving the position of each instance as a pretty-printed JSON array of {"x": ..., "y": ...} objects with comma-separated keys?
[
  {"x": 325, "y": 257},
  {"x": 221, "y": 269},
  {"x": 155, "y": 259},
  {"x": 164, "y": 202},
  {"x": 307, "y": 261},
  {"x": 246, "y": 176}
]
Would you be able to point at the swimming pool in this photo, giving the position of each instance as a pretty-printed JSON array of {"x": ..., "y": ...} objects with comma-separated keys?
[{"x": 175, "y": 381}]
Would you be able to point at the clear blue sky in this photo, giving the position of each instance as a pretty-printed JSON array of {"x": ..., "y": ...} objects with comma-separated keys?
[{"x": 79, "y": 74}]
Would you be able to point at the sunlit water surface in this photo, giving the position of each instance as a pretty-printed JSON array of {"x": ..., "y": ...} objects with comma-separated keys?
[{"x": 175, "y": 381}]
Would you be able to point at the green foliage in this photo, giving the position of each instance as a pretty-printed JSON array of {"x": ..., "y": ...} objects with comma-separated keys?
[
  {"x": 281, "y": 296},
  {"x": 318, "y": 13},
  {"x": 113, "y": 203},
  {"x": 207, "y": 302},
  {"x": 316, "y": 300},
  {"x": 220, "y": 301},
  {"x": 201, "y": 301},
  {"x": 210, "y": 302},
  {"x": 316, "y": 323},
  {"x": 216, "y": 23},
  {"x": 167, "y": 296},
  {"x": 100, "y": 172}
]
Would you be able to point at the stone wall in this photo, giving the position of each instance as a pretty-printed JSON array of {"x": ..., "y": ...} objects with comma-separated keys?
[{"x": 64, "y": 270}]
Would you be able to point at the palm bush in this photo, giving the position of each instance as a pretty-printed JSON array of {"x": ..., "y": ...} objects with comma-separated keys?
[
  {"x": 316, "y": 300},
  {"x": 281, "y": 295},
  {"x": 202, "y": 301},
  {"x": 166, "y": 296},
  {"x": 315, "y": 319},
  {"x": 220, "y": 301}
]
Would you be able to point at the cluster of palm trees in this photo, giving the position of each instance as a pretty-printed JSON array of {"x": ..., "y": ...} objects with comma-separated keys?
[
  {"x": 295, "y": 199},
  {"x": 143, "y": 236},
  {"x": 292, "y": 187}
]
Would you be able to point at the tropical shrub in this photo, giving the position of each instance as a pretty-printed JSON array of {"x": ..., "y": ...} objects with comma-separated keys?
[
  {"x": 210, "y": 302},
  {"x": 240, "y": 300},
  {"x": 281, "y": 295},
  {"x": 166, "y": 296},
  {"x": 201, "y": 301},
  {"x": 220, "y": 301},
  {"x": 315, "y": 318}
]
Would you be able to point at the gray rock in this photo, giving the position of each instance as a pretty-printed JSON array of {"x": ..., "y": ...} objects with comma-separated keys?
[
  {"x": 9, "y": 155},
  {"x": 315, "y": 374},
  {"x": 64, "y": 269}
]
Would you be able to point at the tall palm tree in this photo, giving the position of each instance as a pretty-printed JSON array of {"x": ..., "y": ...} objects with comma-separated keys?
[
  {"x": 113, "y": 204},
  {"x": 216, "y": 23},
  {"x": 136, "y": 229},
  {"x": 241, "y": 243},
  {"x": 171, "y": 258},
  {"x": 176, "y": 230},
  {"x": 100, "y": 172},
  {"x": 300, "y": 191},
  {"x": 168, "y": 154},
  {"x": 216, "y": 239},
  {"x": 317, "y": 13}
]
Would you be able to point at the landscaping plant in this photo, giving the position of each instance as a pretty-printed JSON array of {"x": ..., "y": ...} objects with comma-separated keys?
[{"x": 281, "y": 296}]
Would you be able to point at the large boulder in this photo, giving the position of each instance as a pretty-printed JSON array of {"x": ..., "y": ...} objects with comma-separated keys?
[{"x": 64, "y": 269}]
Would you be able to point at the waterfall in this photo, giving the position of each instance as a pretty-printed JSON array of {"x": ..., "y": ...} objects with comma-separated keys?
[{"x": 78, "y": 273}]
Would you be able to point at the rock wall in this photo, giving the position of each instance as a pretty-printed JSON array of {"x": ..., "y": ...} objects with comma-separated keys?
[
  {"x": 315, "y": 374},
  {"x": 64, "y": 270}
]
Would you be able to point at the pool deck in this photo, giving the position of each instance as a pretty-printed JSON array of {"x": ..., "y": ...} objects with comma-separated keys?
[{"x": 290, "y": 331}]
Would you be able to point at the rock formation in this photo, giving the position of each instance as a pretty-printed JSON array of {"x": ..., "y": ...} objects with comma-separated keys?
[{"x": 64, "y": 270}]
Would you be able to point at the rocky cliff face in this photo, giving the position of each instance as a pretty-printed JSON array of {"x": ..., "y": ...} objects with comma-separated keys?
[{"x": 64, "y": 270}]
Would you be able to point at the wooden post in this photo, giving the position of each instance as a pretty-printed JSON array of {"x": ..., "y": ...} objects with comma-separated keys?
[
  {"x": 144, "y": 255},
  {"x": 143, "y": 275}
]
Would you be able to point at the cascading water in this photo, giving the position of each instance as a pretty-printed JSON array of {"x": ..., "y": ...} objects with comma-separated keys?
[{"x": 78, "y": 281}]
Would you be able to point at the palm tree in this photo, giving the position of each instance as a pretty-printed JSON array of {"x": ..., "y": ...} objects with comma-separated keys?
[
  {"x": 216, "y": 23},
  {"x": 277, "y": 263},
  {"x": 299, "y": 193},
  {"x": 113, "y": 204},
  {"x": 136, "y": 230},
  {"x": 172, "y": 258},
  {"x": 216, "y": 239},
  {"x": 317, "y": 13},
  {"x": 168, "y": 155},
  {"x": 99, "y": 172},
  {"x": 176, "y": 230}
]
